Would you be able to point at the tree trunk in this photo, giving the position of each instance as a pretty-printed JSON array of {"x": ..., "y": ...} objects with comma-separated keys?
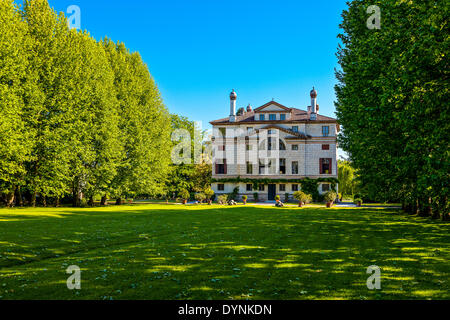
[
  {"x": 118, "y": 201},
  {"x": 444, "y": 208},
  {"x": 57, "y": 202},
  {"x": 10, "y": 199},
  {"x": 104, "y": 201},
  {"x": 91, "y": 201},
  {"x": 44, "y": 201},
  {"x": 19, "y": 199},
  {"x": 33, "y": 199}
]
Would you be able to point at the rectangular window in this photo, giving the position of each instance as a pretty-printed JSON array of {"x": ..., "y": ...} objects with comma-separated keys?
[
  {"x": 222, "y": 131},
  {"x": 282, "y": 166},
  {"x": 295, "y": 147},
  {"x": 221, "y": 166},
  {"x": 221, "y": 187},
  {"x": 249, "y": 130},
  {"x": 326, "y": 131},
  {"x": 269, "y": 143},
  {"x": 249, "y": 168},
  {"x": 295, "y": 128},
  {"x": 325, "y": 147},
  {"x": 261, "y": 187},
  {"x": 269, "y": 132},
  {"x": 325, "y": 187},
  {"x": 272, "y": 117},
  {"x": 249, "y": 187},
  {"x": 222, "y": 148},
  {"x": 325, "y": 165},
  {"x": 248, "y": 147},
  {"x": 282, "y": 117},
  {"x": 282, "y": 187},
  {"x": 261, "y": 117},
  {"x": 294, "y": 167},
  {"x": 262, "y": 167},
  {"x": 295, "y": 187}
]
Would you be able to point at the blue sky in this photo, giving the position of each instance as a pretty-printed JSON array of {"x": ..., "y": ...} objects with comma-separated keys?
[{"x": 198, "y": 50}]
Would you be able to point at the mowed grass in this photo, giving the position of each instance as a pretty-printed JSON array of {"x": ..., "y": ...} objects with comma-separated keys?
[{"x": 210, "y": 252}]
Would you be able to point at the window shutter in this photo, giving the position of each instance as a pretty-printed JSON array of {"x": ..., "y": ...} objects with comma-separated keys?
[
  {"x": 321, "y": 166},
  {"x": 331, "y": 165},
  {"x": 225, "y": 166},
  {"x": 217, "y": 168}
]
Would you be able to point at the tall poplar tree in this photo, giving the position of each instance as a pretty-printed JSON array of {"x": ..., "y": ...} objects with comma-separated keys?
[{"x": 16, "y": 140}]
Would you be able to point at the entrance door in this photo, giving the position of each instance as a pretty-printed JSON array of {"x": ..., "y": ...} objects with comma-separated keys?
[{"x": 272, "y": 192}]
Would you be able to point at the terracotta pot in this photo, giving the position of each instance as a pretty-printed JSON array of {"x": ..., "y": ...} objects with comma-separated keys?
[
  {"x": 184, "y": 201},
  {"x": 300, "y": 204},
  {"x": 209, "y": 202},
  {"x": 329, "y": 204}
]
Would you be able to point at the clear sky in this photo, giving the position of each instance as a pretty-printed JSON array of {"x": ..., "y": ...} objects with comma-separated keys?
[{"x": 198, "y": 50}]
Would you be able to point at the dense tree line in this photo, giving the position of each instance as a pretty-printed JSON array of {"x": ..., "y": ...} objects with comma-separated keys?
[
  {"x": 392, "y": 101},
  {"x": 348, "y": 183},
  {"x": 79, "y": 117},
  {"x": 193, "y": 176}
]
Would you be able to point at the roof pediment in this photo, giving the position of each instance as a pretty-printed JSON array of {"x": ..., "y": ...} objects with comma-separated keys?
[{"x": 272, "y": 106}]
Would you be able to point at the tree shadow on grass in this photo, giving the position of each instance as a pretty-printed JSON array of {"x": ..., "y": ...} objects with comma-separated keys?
[{"x": 225, "y": 253}]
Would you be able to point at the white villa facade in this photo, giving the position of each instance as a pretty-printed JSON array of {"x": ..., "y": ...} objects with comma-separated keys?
[{"x": 276, "y": 144}]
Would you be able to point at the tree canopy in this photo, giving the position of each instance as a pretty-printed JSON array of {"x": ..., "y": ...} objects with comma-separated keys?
[
  {"x": 80, "y": 117},
  {"x": 392, "y": 101}
]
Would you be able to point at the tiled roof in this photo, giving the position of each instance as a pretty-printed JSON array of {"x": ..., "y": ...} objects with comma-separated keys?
[{"x": 297, "y": 116}]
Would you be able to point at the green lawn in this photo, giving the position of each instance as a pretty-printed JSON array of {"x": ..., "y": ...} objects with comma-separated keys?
[{"x": 211, "y": 252}]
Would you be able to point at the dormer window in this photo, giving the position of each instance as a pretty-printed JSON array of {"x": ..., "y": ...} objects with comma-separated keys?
[
  {"x": 272, "y": 117},
  {"x": 282, "y": 117},
  {"x": 262, "y": 117},
  {"x": 295, "y": 128}
]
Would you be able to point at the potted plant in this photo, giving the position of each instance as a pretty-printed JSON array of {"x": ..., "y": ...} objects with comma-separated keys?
[
  {"x": 222, "y": 199},
  {"x": 277, "y": 199},
  {"x": 330, "y": 197},
  {"x": 302, "y": 198},
  {"x": 255, "y": 196},
  {"x": 358, "y": 202},
  {"x": 209, "y": 193},
  {"x": 200, "y": 197},
  {"x": 244, "y": 198},
  {"x": 286, "y": 197},
  {"x": 184, "y": 194}
]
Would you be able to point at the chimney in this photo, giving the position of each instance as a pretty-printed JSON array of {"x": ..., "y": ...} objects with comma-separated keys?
[
  {"x": 233, "y": 97},
  {"x": 314, "y": 106}
]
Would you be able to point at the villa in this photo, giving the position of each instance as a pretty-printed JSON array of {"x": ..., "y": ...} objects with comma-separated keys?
[{"x": 274, "y": 144}]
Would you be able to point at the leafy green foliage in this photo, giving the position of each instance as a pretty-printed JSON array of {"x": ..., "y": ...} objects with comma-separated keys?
[
  {"x": 184, "y": 194},
  {"x": 330, "y": 196},
  {"x": 200, "y": 197},
  {"x": 391, "y": 102},
  {"x": 79, "y": 117},
  {"x": 302, "y": 197},
  {"x": 16, "y": 86}
]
